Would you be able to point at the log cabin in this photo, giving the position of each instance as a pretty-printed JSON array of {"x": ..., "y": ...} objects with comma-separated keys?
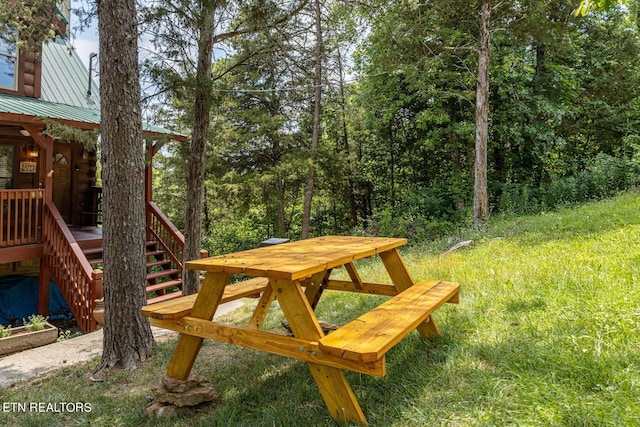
[{"x": 50, "y": 187}]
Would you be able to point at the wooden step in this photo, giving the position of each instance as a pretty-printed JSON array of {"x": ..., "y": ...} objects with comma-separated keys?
[
  {"x": 165, "y": 297},
  {"x": 164, "y": 285},
  {"x": 162, "y": 273},
  {"x": 154, "y": 253},
  {"x": 158, "y": 263},
  {"x": 92, "y": 251},
  {"x": 150, "y": 264}
]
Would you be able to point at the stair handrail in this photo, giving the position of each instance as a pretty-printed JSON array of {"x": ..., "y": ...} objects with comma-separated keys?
[
  {"x": 166, "y": 234},
  {"x": 78, "y": 282}
]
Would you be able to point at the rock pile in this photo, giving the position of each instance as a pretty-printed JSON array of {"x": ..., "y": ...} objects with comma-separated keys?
[{"x": 176, "y": 395}]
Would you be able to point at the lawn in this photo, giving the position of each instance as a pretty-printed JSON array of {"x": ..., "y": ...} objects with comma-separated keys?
[{"x": 547, "y": 334}]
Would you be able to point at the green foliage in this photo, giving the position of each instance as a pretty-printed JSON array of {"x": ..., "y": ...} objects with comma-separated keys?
[
  {"x": 603, "y": 177},
  {"x": 35, "y": 322},
  {"x": 225, "y": 237},
  {"x": 5, "y": 331},
  {"x": 396, "y": 153},
  {"x": 586, "y": 5},
  {"x": 68, "y": 134},
  {"x": 30, "y": 21},
  {"x": 67, "y": 335}
]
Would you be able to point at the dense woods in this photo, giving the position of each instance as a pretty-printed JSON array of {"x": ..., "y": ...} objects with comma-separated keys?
[{"x": 375, "y": 104}]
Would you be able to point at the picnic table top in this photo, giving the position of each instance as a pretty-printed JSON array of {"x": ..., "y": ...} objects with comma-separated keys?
[{"x": 297, "y": 260}]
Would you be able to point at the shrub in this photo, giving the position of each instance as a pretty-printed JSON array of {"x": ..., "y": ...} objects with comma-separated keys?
[
  {"x": 35, "y": 322},
  {"x": 5, "y": 331}
]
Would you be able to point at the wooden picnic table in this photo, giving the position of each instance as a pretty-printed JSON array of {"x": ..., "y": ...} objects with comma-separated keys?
[{"x": 297, "y": 274}]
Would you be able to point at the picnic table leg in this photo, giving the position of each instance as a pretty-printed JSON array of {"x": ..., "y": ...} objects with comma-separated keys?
[
  {"x": 334, "y": 388},
  {"x": 204, "y": 307},
  {"x": 402, "y": 280},
  {"x": 337, "y": 394}
]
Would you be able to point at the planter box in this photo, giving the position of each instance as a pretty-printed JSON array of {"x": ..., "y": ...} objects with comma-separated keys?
[{"x": 21, "y": 339}]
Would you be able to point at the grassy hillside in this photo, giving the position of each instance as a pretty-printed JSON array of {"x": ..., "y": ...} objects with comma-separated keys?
[{"x": 547, "y": 333}]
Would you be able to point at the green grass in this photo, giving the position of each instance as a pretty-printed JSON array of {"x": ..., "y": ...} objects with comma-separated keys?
[{"x": 547, "y": 334}]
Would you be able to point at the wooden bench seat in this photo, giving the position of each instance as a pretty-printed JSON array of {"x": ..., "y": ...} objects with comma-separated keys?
[
  {"x": 371, "y": 335},
  {"x": 181, "y": 307}
]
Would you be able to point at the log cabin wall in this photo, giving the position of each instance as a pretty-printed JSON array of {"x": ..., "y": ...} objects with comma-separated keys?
[
  {"x": 31, "y": 69},
  {"x": 29, "y": 76}
]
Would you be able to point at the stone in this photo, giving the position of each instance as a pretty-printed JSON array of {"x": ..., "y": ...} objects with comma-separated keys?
[
  {"x": 196, "y": 395},
  {"x": 180, "y": 386},
  {"x": 160, "y": 410},
  {"x": 463, "y": 244}
]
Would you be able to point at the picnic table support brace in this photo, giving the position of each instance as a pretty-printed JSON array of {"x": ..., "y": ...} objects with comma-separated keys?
[{"x": 262, "y": 309}]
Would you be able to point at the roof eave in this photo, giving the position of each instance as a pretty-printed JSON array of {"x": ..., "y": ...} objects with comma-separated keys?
[{"x": 19, "y": 119}]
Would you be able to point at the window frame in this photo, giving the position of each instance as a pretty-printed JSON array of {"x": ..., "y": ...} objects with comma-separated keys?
[{"x": 11, "y": 41}]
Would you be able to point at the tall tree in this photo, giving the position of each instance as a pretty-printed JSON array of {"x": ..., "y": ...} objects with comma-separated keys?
[
  {"x": 199, "y": 135},
  {"x": 211, "y": 23},
  {"x": 315, "y": 135},
  {"x": 480, "y": 194},
  {"x": 128, "y": 340}
]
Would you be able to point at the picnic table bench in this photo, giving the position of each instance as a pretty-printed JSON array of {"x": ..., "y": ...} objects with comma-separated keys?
[{"x": 297, "y": 274}]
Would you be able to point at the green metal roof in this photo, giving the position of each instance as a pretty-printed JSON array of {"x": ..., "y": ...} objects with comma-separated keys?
[
  {"x": 38, "y": 108},
  {"x": 64, "y": 97},
  {"x": 33, "y": 108},
  {"x": 65, "y": 79}
]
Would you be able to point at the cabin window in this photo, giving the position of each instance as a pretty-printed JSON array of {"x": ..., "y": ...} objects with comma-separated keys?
[
  {"x": 6, "y": 166},
  {"x": 8, "y": 60}
]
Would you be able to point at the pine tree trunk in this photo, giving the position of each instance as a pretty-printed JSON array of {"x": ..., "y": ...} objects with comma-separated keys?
[
  {"x": 200, "y": 134},
  {"x": 345, "y": 141},
  {"x": 128, "y": 340},
  {"x": 480, "y": 194},
  {"x": 315, "y": 137},
  {"x": 280, "y": 206}
]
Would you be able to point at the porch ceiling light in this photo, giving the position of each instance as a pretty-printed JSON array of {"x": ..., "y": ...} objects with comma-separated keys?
[{"x": 25, "y": 132}]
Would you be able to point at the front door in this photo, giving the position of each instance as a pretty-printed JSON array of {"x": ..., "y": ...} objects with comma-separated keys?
[{"x": 62, "y": 181}]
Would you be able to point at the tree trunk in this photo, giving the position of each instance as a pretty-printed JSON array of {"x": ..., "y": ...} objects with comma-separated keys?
[
  {"x": 345, "y": 141},
  {"x": 200, "y": 134},
  {"x": 480, "y": 194},
  {"x": 315, "y": 137},
  {"x": 127, "y": 335},
  {"x": 280, "y": 205},
  {"x": 392, "y": 167}
]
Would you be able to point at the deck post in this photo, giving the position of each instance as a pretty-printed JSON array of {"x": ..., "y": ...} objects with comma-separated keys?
[{"x": 44, "y": 289}]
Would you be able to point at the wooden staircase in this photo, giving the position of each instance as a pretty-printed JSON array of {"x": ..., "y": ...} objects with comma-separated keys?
[
  {"x": 164, "y": 281},
  {"x": 75, "y": 264}
]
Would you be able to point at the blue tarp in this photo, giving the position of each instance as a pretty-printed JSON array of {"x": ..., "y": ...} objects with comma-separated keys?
[{"x": 19, "y": 300}]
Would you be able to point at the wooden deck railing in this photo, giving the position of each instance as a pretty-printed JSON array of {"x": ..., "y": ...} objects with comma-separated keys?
[
  {"x": 79, "y": 283},
  {"x": 162, "y": 231},
  {"x": 21, "y": 217}
]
